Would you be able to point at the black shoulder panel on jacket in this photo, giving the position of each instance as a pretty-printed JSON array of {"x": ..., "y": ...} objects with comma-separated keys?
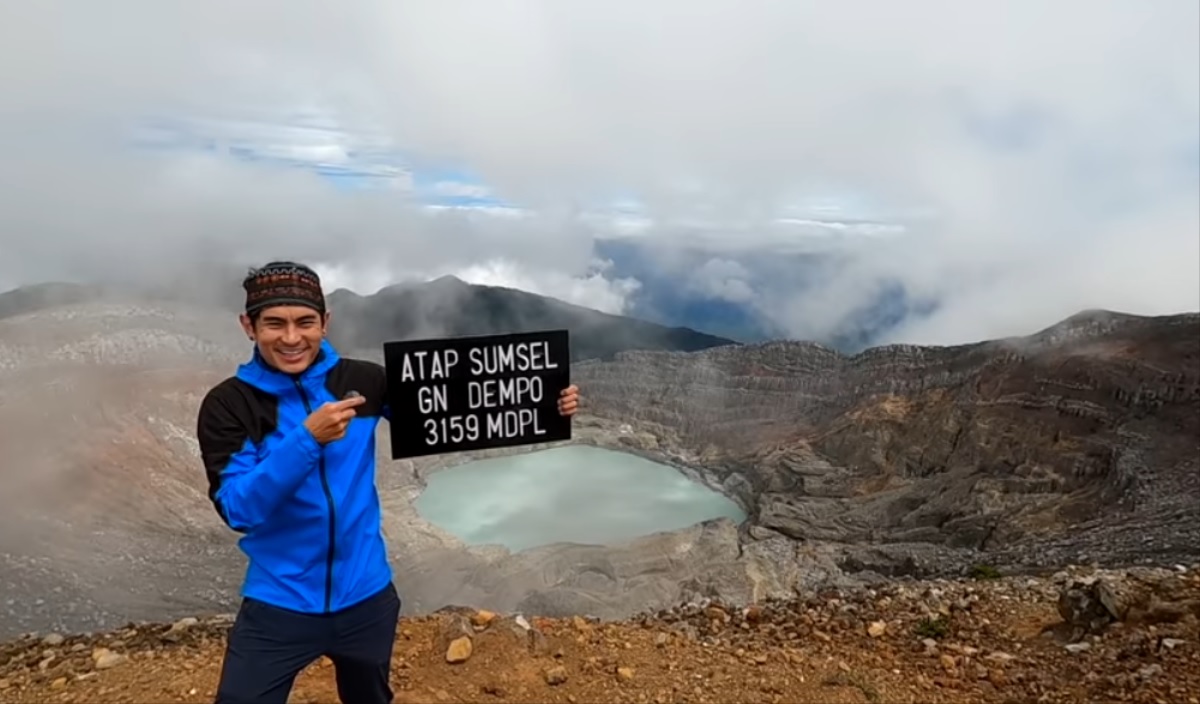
[
  {"x": 367, "y": 378},
  {"x": 230, "y": 414}
]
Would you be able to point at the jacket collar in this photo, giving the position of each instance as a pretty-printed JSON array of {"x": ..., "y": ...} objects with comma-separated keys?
[{"x": 259, "y": 374}]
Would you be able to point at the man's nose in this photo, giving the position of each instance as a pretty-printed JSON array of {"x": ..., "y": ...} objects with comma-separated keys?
[{"x": 291, "y": 335}]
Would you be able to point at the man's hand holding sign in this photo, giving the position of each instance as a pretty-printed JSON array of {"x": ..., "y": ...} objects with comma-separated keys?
[
  {"x": 471, "y": 393},
  {"x": 568, "y": 401}
]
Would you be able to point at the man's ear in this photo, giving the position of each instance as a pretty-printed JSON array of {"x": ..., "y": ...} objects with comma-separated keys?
[
  {"x": 247, "y": 325},
  {"x": 325, "y": 322}
]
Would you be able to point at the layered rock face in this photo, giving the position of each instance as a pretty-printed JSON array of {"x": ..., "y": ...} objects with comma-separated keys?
[{"x": 1082, "y": 441}]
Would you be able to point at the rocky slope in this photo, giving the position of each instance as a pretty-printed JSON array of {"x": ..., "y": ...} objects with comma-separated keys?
[
  {"x": 1079, "y": 636},
  {"x": 102, "y": 513},
  {"x": 898, "y": 461},
  {"x": 1080, "y": 442}
]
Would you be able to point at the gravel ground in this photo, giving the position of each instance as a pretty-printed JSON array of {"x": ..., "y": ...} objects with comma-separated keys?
[{"x": 1077, "y": 636}]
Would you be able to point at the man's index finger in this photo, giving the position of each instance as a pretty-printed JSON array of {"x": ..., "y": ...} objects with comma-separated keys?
[{"x": 351, "y": 399}]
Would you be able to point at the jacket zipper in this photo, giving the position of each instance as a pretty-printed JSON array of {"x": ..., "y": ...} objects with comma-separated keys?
[{"x": 329, "y": 501}]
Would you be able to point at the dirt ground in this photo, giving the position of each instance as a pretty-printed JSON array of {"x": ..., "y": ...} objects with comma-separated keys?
[{"x": 996, "y": 640}]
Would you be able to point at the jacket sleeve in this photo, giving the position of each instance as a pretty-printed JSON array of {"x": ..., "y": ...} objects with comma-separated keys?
[{"x": 244, "y": 490}]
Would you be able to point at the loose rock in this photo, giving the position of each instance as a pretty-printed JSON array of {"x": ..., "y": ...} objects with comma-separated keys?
[
  {"x": 556, "y": 675},
  {"x": 459, "y": 650}
]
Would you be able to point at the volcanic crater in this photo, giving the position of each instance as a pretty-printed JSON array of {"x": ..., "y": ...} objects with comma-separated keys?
[{"x": 1075, "y": 444}]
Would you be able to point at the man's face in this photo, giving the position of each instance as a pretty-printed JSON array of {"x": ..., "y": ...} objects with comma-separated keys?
[{"x": 288, "y": 337}]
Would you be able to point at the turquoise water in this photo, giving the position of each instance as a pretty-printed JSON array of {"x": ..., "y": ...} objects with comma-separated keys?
[{"x": 577, "y": 494}]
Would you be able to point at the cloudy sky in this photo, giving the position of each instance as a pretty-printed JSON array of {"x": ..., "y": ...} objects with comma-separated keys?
[{"x": 1008, "y": 163}]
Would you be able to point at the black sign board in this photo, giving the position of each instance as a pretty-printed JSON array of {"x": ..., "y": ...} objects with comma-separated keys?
[{"x": 471, "y": 393}]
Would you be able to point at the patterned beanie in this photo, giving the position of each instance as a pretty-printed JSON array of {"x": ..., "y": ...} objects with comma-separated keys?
[{"x": 283, "y": 284}]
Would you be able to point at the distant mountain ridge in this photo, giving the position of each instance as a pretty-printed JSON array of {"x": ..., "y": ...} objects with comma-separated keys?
[
  {"x": 444, "y": 307},
  {"x": 29, "y": 299},
  {"x": 450, "y": 307}
]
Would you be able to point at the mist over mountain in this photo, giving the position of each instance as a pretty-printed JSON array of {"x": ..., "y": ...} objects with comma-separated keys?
[
  {"x": 445, "y": 307},
  {"x": 448, "y": 307},
  {"x": 669, "y": 293},
  {"x": 738, "y": 294},
  {"x": 28, "y": 299}
]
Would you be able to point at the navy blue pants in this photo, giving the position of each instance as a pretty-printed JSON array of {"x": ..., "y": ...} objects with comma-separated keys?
[{"x": 268, "y": 646}]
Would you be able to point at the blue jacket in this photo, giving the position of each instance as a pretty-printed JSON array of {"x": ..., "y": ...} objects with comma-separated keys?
[{"x": 310, "y": 515}]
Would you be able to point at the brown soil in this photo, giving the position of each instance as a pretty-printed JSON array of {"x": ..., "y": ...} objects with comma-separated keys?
[{"x": 993, "y": 640}]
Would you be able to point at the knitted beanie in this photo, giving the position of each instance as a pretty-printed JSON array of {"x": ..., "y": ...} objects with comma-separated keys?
[{"x": 283, "y": 284}]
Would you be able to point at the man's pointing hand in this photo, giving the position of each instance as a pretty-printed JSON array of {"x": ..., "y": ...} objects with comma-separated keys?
[{"x": 329, "y": 422}]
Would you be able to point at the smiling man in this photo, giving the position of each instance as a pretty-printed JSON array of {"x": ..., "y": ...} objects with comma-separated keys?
[{"x": 288, "y": 445}]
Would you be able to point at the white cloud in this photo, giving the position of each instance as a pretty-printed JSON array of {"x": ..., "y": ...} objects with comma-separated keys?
[
  {"x": 460, "y": 189},
  {"x": 593, "y": 290},
  {"x": 707, "y": 111},
  {"x": 364, "y": 279},
  {"x": 722, "y": 279},
  {"x": 596, "y": 288}
]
